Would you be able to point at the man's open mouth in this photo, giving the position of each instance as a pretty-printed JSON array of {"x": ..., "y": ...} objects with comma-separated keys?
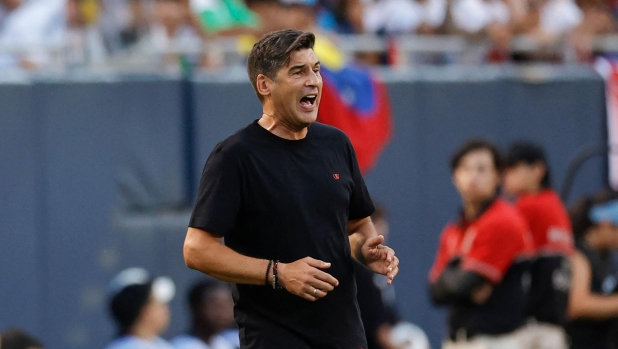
[{"x": 308, "y": 101}]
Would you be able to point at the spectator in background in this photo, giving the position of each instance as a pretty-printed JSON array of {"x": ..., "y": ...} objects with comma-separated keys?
[
  {"x": 83, "y": 40},
  {"x": 433, "y": 16},
  {"x": 593, "y": 302},
  {"x": 403, "y": 16},
  {"x": 212, "y": 318},
  {"x": 18, "y": 339},
  {"x": 527, "y": 177},
  {"x": 125, "y": 22},
  {"x": 6, "y": 7},
  {"x": 378, "y": 306},
  {"x": 138, "y": 305},
  {"x": 282, "y": 14},
  {"x": 480, "y": 267},
  {"x": 225, "y": 17},
  {"x": 47, "y": 33},
  {"x": 597, "y": 20},
  {"x": 31, "y": 29},
  {"x": 481, "y": 19},
  {"x": 477, "y": 16},
  {"x": 340, "y": 16},
  {"x": 545, "y": 21},
  {"x": 173, "y": 28}
]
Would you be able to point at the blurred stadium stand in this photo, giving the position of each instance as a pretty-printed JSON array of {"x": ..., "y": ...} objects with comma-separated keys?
[{"x": 231, "y": 51}]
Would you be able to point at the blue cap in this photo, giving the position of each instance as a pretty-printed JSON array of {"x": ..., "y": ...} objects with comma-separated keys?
[{"x": 607, "y": 212}]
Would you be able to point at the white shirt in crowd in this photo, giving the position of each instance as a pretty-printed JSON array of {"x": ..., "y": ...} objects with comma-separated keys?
[
  {"x": 34, "y": 24},
  {"x": 184, "y": 36},
  {"x": 474, "y": 15},
  {"x": 186, "y": 341},
  {"x": 133, "y": 342},
  {"x": 402, "y": 16},
  {"x": 558, "y": 17},
  {"x": 3, "y": 14},
  {"x": 40, "y": 26},
  {"x": 116, "y": 16}
]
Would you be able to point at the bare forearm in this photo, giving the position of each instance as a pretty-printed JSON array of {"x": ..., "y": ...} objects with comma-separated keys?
[
  {"x": 583, "y": 303},
  {"x": 359, "y": 231},
  {"x": 356, "y": 242},
  {"x": 207, "y": 254},
  {"x": 594, "y": 307}
]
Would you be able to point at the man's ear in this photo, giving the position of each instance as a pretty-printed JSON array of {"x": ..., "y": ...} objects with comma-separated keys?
[{"x": 263, "y": 85}]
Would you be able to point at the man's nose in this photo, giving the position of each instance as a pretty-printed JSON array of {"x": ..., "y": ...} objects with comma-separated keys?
[{"x": 313, "y": 80}]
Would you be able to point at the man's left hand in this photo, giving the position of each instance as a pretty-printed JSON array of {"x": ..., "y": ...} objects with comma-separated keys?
[{"x": 379, "y": 258}]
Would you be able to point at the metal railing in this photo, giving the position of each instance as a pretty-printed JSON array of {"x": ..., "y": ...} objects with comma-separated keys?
[{"x": 458, "y": 49}]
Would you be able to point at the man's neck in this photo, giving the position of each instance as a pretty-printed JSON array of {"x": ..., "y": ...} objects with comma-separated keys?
[
  {"x": 204, "y": 333},
  {"x": 472, "y": 209},
  {"x": 531, "y": 191},
  {"x": 143, "y": 332},
  {"x": 280, "y": 129}
]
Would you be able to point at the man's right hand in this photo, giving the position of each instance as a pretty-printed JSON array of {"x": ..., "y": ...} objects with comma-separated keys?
[{"x": 305, "y": 278}]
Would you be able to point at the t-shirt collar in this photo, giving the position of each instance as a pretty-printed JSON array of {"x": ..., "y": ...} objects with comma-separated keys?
[{"x": 463, "y": 221}]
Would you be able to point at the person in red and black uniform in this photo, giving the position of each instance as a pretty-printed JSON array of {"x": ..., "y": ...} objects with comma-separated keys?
[
  {"x": 527, "y": 178},
  {"x": 593, "y": 302},
  {"x": 481, "y": 267}
]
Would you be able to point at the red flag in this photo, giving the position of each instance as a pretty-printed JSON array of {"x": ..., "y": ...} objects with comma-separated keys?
[{"x": 357, "y": 104}]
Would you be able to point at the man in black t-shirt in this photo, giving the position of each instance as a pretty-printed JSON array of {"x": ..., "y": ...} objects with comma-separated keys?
[{"x": 287, "y": 195}]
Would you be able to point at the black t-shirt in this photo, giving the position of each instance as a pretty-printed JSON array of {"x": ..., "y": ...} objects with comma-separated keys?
[
  {"x": 549, "y": 292},
  {"x": 281, "y": 199},
  {"x": 374, "y": 311},
  {"x": 595, "y": 334},
  {"x": 502, "y": 313}
]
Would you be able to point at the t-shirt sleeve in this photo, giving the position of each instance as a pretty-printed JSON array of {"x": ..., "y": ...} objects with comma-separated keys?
[
  {"x": 493, "y": 251},
  {"x": 219, "y": 196},
  {"x": 361, "y": 205},
  {"x": 549, "y": 225}
]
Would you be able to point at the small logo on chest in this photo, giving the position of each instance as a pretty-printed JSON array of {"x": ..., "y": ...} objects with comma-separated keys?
[{"x": 336, "y": 175}]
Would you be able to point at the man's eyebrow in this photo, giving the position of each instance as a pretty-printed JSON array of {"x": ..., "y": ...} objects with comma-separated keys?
[{"x": 301, "y": 66}]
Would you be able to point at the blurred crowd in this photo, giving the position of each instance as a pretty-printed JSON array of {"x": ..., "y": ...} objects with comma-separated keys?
[{"x": 43, "y": 33}]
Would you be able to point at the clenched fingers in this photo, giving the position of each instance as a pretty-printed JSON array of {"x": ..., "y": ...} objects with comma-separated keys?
[{"x": 393, "y": 270}]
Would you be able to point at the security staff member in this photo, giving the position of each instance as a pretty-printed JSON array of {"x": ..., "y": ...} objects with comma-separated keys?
[
  {"x": 481, "y": 264},
  {"x": 527, "y": 178}
]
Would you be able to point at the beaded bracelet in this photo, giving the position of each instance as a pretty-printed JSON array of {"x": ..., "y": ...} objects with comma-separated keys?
[
  {"x": 275, "y": 276},
  {"x": 270, "y": 262}
]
